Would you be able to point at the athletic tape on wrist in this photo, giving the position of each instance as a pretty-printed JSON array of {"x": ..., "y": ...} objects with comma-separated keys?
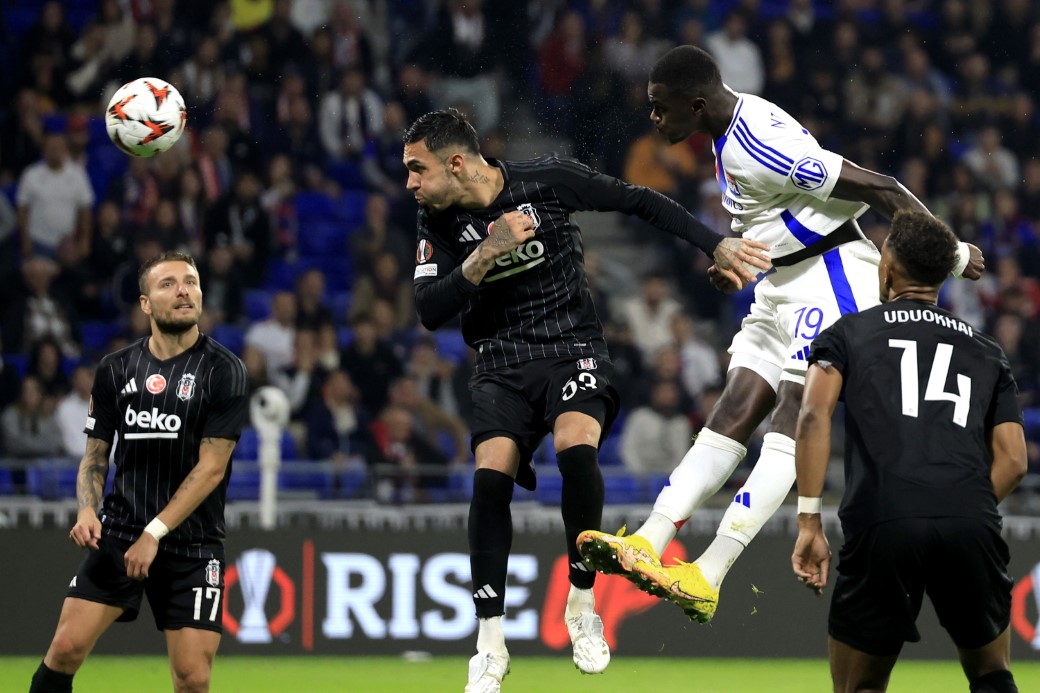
[
  {"x": 810, "y": 506},
  {"x": 157, "y": 528},
  {"x": 963, "y": 255}
]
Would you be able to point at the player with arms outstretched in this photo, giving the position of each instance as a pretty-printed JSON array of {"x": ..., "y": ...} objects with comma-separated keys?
[
  {"x": 933, "y": 441},
  {"x": 178, "y": 401},
  {"x": 783, "y": 189},
  {"x": 497, "y": 244}
]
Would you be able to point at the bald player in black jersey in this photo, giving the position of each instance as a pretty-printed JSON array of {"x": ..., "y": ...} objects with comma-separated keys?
[
  {"x": 934, "y": 440},
  {"x": 178, "y": 401},
  {"x": 496, "y": 243}
]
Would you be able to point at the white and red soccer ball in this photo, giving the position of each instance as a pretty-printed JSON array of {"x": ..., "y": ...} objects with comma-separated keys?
[{"x": 145, "y": 117}]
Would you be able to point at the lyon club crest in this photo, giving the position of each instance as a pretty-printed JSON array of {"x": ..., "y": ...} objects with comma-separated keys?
[{"x": 186, "y": 387}]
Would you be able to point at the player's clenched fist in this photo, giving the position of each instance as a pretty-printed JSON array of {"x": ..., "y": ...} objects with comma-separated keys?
[
  {"x": 139, "y": 557},
  {"x": 87, "y": 530},
  {"x": 508, "y": 232}
]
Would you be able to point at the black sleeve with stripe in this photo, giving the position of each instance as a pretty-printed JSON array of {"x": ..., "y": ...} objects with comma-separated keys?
[
  {"x": 580, "y": 187},
  {"x": 102, "y": 412},
  {"x": 228, "y": 411},
  {"x": 441, "y": 296}
]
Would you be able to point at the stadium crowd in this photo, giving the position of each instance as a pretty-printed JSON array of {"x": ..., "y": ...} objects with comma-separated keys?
[{"x": 288, "y": 188}]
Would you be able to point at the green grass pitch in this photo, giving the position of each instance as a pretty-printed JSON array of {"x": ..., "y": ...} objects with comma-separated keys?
[{"x": 535, "y": 674}]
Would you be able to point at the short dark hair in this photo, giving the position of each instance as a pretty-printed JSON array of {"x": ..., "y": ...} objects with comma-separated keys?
[
  {"x": 688, "y": 70},
  {"x": 923, "y": 245},
  {"x": 165, "y": 256},
  {"x": 440, "y": 129}
]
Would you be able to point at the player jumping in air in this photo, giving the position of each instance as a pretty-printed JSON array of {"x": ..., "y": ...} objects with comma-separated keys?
[
  {"x": 178, "y": 401},
  {"x": 497, "y": 244},
  {"x": 782, "y": 188}
]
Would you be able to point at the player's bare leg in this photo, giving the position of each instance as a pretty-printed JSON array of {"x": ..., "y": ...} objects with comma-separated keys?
[
  {"x": 80, "y": 625},
  {"x": 490, "y": 539},
  {"x": 746, "y": 400},
  {"x": 576, "y": 438},
  {"x": 855, "y": 671},
  {"x": 191, "y": 653},
  {"x": 988, "y": 668}
]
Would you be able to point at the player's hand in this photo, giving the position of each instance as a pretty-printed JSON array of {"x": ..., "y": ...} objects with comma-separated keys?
[
  {"x": 740, "y": 259},
  {"x": 811, "y": 559},
  {"x": 509, "y": 232},
  {"x": 87, "y": 531},
  {"x": 727, "y": 283},
  {"x": 976, "y": 264},
  {"x": 139, "y": 557}
]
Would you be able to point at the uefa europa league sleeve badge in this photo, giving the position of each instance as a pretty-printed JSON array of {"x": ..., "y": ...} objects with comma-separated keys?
[{"x": 255, "y": 568}]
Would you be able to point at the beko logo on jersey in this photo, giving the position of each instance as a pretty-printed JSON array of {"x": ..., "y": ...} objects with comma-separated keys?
[
  {"x": 526, "y": 256},
  {"x": 159, "y": 424}
]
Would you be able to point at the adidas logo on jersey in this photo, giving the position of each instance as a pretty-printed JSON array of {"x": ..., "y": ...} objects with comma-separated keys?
[
  {"x": 130, "y": 387},
  {"x": 469, "y": 235},
  {"x": 158, "y": 424}
]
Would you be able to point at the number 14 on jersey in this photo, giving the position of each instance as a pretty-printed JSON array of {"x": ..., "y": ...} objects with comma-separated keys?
[{"x": 935, "y": 390}]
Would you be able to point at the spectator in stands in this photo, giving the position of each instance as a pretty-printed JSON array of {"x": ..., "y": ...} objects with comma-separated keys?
[
  {"x": 274, "y": 336},
  {"x": 337, "y": 426},
  {"x": 144, "y": 59},
  {"x": 874, "y": 98},
  {"x": 45, "y": 365},
  {"x": 119, "y": 30},
  {"x": 627, "y": 377},
  {"x": 649, "y": 316},
  {"x": 1023, "y": 354},
  {"x": 370, "y": 362},
  {"x": 54, "y": 200},
  {"x": 223, "y": 296},
  {"x": 238, "y": 221},
  {"x": 666, "y": 365},
  {"x": 312, "y": 313},
  {"x": 33, "y": 311},
  {"x": 351, "y": 48},
  {"x": 403, "y": 451},
  {"x": 413, "y": 91},
  {"x": 10, "y": 380},
  {"x": 166, "y": 226},
  {"x": 381, "y": 164},
  {"x": 137, "y": 192},
  {"x": 432, "y": 422},
  {"x": 72, "y": 411},
  {"x": 377, "y": 234},
  {"x": 739, "y": 59},
  {"x": 630, "y": 52},
  {"x": 350, "y": 116},
  {"x": 437, "y": 378},
  {"x": 653, "y": 162},
  {"x": 29, "y": 425},
  {"x": 22, "y": 134},
  {"x": 125, "y": 286},
  {"x": 214, "y": 164},
  {"x": 994, "y": 165},
  {"x": 284, "y": 40},
  {"x": 190, "y": 201},
  {"x": 279, "y": 201},
  {"x": 384, "y": 282},
  {"x": 51, "y": 35},
  {"x": 88, "y": 65},
  {"x": 561, "y": 60},
  {"x": 656, "y": 435},
  {"x": 203, "y": 74},
  {"x": 297, "y": 137},
  {"x": 256, "y": 368},
  {"x": 700, "y": 361},
  {"x": 301, "y": 381}
]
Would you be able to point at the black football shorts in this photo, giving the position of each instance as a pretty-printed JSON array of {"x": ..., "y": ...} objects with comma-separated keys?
[
  {"x": 522, "y": 402},
  {"x": 885, "y": 571},
  {"x": 182, "y": 592}
]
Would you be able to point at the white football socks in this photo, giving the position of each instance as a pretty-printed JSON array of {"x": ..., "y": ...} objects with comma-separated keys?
[
  {"x": 490, "y": 637},
  {"x": 763, "y": 492},
  {"x": 579, "y": 601},
  {"x": 702, "y": 472}
]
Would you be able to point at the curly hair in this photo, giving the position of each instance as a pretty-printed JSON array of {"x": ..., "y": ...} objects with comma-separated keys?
[
  {"x": 440, "y": 129},
  {"x": 688, "y": 71},
  {"x": 923, "y": 245}
]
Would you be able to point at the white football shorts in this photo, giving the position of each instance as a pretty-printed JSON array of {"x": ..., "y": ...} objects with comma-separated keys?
[{"x": 794, "y": 304}]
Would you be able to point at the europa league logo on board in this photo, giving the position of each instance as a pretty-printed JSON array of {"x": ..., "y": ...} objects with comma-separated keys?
[{"x": 255, "y": 568}]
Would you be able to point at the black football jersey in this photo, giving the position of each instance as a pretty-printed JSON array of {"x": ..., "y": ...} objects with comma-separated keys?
[
  {"x": 162, "y": 410},
  {"x": 922, "y": 389},
  {"x": 535, "y": 302}
]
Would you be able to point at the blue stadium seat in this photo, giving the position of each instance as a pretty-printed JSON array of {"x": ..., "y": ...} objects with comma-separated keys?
[
  {"x": 281, "y": 276},
  {"x": 51, "y": 479},
  {"x": 19, "y": 362},
  {"x": 258, "y": 304},
  {"x": 11, "y": 191},
  {"x": 460, "y": 482},
  {"x": 231, "y": 336},
  {"x": 352, "y": 481},
  {"x": 451, "y": 345},
  {"x": 6, "y": 482},
  {"x": 319, "y": 239},
  {"x": 96, "y": 335},
  {"x": 244, "y": 483},
  {"x": 339, "y": 304},
  {"x": 352, "y": 208},
  {"x": 347, "y": 174},
  {"x": 313, "y": 206},
  {"x": 337, "y": 268},
  {"x": 653, "y": 485},
  {"x": 248, "y": 447},
  {"x": 549, "y": 489},
  {"x": 55, "y": 122},
  {"x": 622, "y": 489},
  {"x": 306, "y": 477},
  {"x": 610, "y": 452},
  {"x": 344, "y": 337}
]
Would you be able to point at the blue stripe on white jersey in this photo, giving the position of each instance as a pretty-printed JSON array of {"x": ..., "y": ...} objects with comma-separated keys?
[
  {"x": 760, "y": 143},
  {"x": 770, "y": 161}
]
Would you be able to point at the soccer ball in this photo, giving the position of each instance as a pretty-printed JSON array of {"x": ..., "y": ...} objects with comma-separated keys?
[{"x": 145, "y": 117}]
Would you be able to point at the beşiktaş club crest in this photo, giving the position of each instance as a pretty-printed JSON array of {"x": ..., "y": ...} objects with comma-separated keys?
[
  {"x": 213, "y": 573},
  {"x": 186, "y": 387},
  {"x": 528, "y": 209},
  {"x": 586, "y": 364}
]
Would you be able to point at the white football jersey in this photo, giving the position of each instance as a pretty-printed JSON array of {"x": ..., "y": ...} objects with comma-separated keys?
[{"x": 776, "y": 179}]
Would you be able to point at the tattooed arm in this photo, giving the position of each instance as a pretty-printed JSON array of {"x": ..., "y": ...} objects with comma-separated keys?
[
  {"x": 214, "y": 454},
  {"x": 90, "y": 485},
  {"x": 509, "y": 231}
]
